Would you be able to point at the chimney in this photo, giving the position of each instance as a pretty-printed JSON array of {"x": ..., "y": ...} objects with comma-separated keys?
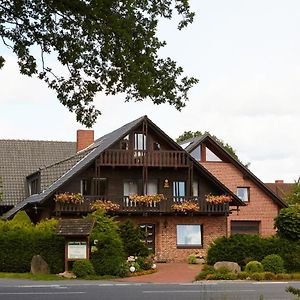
[
  {"x": 279, "y": 181},
  {"x": 84, "y": 139}
]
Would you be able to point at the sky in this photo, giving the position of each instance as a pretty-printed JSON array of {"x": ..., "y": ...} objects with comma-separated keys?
[{"x": 246, "y": 55}]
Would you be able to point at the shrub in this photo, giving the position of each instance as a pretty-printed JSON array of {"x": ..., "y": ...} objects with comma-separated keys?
[
  {"x": 242, "y": 275},
  {"x": 83, "y": 268},
  {"x": 192, "y": 259},
  {"x": 222, "y": 276},
  {"x": 269, "y": 276},
  {"x": 257, "y": 276},
  {"x": 283, "y": 276},
  {"x": 288, "y": 222},
  {"x": 254, "y": 267},
  {"x": 273, "y": 263},
  {"x": 131, "y": 237},
  {"x": 207, "y": 270},
  {"x": 145, "y": 263}
]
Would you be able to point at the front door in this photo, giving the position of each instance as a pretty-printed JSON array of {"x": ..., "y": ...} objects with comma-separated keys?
[{"x": 149, "y": 234}]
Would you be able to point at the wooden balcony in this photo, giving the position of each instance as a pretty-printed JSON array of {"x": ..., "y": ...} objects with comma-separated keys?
[
  {"x": 158, "y": 158},
  {"x": 129, "y": 206}
]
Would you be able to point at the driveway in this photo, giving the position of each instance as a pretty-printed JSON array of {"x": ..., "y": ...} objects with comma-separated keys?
[{"x": 168, "y": 273}]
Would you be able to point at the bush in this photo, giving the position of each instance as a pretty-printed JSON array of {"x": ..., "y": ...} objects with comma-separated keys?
[
  {"x": 83, "y": 268},
  {"x": 269, "y": 276},
  {"x": 254, "y": 267},
  {"x": 209, "y": 273},
  {"x": 207, "y": 270},
  {"x": 257, "y": 276},
  {"x": 288, "y": 222},
  {"x": 273, "y": 263},
  {"x": 222, "y": 276},
  {"x": 242, "y": 275},
  {"x": 145, "y": 263},
  {"x": 192, "y": 259}
]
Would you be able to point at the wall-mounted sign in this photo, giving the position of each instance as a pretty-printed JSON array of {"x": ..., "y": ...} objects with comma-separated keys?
[{"x": 77, "y": 250}]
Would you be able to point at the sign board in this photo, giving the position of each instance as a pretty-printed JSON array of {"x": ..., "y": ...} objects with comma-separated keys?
[{"x": 77, "y": 250}]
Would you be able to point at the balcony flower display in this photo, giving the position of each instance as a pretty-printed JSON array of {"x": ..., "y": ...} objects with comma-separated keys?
[
  {"x": 69, "y": 198},
  {"x": 147, "y": 198},
  {"x": 220, "y": 199},
  {"x": 105, "y": 205},
  {"x": 186, "y": 206}
]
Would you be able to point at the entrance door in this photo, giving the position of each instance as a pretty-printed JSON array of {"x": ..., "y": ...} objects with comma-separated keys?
[{"x": 149, "y": 234}]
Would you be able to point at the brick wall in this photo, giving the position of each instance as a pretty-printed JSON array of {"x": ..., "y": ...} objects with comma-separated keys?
[
  {"x": 165, "y": 233},
  {"x": 260, "y": 207},
  {"x": 84, "y": 139}
]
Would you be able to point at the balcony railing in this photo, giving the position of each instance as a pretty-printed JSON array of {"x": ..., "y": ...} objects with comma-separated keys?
[
  {"x": 158, "y": 158},
  {"x": 130, "y": 206}
]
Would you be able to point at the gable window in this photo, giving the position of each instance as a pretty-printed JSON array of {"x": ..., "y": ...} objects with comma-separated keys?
[
  {"x": 130, "y": 187},
  {"x": 189, "y": 236},
  {"x": 196, "y": 153},
  {"x": 139, "y": 141},
  {"x": 156, "y": 146},
  {"x": 195, "y": 188},
  {"x": 179, "y": 189},
  {"x": 210, "y": 156},
  {"x": 243, "y": 193},
  {"x": 244, "y": 227},
  {"x": 125, "y": 143}
]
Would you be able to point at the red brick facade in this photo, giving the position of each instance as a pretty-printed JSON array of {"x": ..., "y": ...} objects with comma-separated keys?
[
  {"x": 165, "y": 234},
  {"x": 85, "y": 138},
  {"x": 260, "y": 206}
]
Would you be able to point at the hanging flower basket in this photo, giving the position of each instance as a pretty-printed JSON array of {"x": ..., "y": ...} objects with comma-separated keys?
[
  {"x": 147, "y": 198},
  {"x": 105, "y": 205},
  {"x": 69, "y": 198},
  {"x": 186, "y": 206},
  {"x": 220, "y": 199}
]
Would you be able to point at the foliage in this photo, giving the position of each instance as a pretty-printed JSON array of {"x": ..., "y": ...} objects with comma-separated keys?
[
  {"x": 288, "y": 222},
  {"x": 273, "y": 263},
  {"x": 254, "y": 267},
  {"x": 218, "y": 199},
  {"x": 186, "y": 206},
  {"x": 145, "y": 263},
  {"x": 109, "y": 46},
  {"x": 83, "y": 268},
  {"x": 147, "y": 198},
  {"x": 70, "y": 198},
  {"x": 131, "y": 237},
  {"x": 20, "y": 241},
  {"x": 293, "y": 291},
  {"x": 209, "y": 273},
  {"x": 258, "y": 276},
  {"x": 108, "y": 255},
  {"x": 105, "y": 205},
  {"x": 294, "y": 196},
  {"x": 192, "y": 259},
  {"x": 241, "y": 248},
  {"x": 243, "y": 275}
]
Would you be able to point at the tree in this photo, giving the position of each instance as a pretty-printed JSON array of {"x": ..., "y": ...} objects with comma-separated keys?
[
  {"x": 294, "y": 196},
  {"x": 104, "y": 45},
  {"x": 191, "y": 134},
  {"x": 288, "y": 222}
]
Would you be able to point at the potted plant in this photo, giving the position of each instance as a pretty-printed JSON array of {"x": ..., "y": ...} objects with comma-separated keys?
[
  {"x": 69, "y": 198},
  {"x": 105, "y": 205},
  {"x": 218, "y": 199},
  {"x": 187, "y": 206},
  {"x": 147, "y": 198}
]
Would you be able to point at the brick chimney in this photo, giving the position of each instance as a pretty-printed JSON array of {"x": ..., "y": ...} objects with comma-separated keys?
[
  {"x": 279, "y": 181},
  {"x": 84, "y": 139}
]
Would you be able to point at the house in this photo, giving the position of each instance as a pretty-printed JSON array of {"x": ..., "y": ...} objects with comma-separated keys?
[
  {"x": 136, "y": 159},
  {"x": 262, "y": 203}
]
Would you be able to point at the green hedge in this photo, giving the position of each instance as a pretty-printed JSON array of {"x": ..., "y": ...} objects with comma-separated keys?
[
  {"x": 20, "y": 241},
  {"x": 243, "y": 248}
]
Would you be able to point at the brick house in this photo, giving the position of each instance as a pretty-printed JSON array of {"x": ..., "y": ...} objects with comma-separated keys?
[
  {"x": 136, "y": 159},
  {"x": 262, "y": 201}
]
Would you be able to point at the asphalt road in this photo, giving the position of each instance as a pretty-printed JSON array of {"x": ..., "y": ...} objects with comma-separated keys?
[{"x": 90, "y": 290}]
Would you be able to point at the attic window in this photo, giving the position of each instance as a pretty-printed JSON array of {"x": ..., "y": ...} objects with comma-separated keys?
[
  {"x": 125, "y": 143},
  {"x": 33, "y": 186},
  {"x": 210, "y": 156},
  {"x": 196, "y": 153},
  {"x": 156, "y": 146}
]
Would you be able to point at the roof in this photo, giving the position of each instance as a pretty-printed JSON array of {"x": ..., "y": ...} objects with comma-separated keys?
[
  {"x": 280, "y": 189},
  {"x": 194, "y": 142},
  {"x": 75, "y": 227},
  {"x": 85, "y": 158},
  {"x": 18, "y": 158}
]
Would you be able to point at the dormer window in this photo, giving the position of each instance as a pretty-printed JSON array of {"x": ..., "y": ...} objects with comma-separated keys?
[{"x": 33, "y": 186}]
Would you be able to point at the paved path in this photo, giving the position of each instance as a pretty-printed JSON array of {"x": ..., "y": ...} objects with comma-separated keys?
[{"x": 168, "y": 273}]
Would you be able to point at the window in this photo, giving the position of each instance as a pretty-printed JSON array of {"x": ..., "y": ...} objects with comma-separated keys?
[
  {"x": 125, "y": 143},
  {"x": 150, "y": 187},
  {"x": 156, "y": 146},
  {"x": 245, "y": 227},
  {"x": 210, "y": 156},
  {"x": 139, "y": 141},
  {"x": 130, "y": 188},
  {"x": 99, "y": 187},
  {"x": 195, "y": 189},
  {"x": 185, "y": 145},
  {"x": 243, "y": 193},
  {"x": 33, "y": 187},
  {"x": 189, "y": 236},
  {"x": 196, "y": 153},
  {"x": 85, "y": 187},
  {"x": 179, "y": 189}
]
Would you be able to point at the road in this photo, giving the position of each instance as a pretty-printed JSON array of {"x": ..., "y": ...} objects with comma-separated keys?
[{"x": 89, "y": 290}]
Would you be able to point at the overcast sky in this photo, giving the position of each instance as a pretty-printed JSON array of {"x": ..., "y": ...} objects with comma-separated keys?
[{"x": 246, "y": 55}]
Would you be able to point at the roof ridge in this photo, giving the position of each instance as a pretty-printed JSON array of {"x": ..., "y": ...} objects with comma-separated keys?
[{"x": 26, "y": 140}]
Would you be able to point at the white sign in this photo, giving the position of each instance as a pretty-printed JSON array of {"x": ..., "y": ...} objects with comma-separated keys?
[{"x": 77, "y": 250}]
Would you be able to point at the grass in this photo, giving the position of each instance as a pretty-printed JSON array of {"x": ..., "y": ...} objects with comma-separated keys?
[{"x": 30, "y": 276}]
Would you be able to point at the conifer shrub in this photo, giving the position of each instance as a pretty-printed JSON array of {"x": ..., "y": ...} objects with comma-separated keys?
[{"x": 273, "y": 263}]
